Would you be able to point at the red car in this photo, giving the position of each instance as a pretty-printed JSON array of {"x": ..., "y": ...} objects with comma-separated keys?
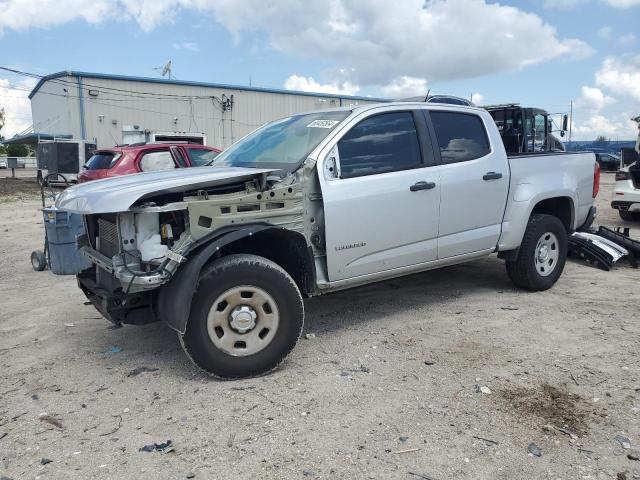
[{"x": 147, "y": 157}]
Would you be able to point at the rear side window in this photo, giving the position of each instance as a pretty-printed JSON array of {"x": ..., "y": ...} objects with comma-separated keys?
[
  {"x": 153, "y": 161},
  {"x": 380, "y": 144},
  {"x": 102, "y": 160},
  {"x": 461, "y": 136}
]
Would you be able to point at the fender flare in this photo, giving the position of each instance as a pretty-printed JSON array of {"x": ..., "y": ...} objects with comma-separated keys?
[{"x": 173, "y": 299}]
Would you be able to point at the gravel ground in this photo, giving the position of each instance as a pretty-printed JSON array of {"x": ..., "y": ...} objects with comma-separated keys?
[{"x": 385, "y": 389}]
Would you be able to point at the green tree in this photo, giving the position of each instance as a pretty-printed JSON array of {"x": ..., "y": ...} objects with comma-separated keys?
[
  {"x": 601, "y": 139},
  {"x": 17, "y": 150}
]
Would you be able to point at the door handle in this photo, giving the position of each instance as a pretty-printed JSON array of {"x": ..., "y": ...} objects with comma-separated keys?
[
  {"x": 492, "y": 176},
  {"x": 422, "y": 186}
]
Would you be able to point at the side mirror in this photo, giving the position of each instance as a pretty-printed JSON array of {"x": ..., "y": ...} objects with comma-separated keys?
[{"x": 565, "y": 122}]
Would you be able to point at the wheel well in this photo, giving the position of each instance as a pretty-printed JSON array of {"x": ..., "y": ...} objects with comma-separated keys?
[
  {"x": 284, "y": 247},
  {"x": 560, "y": 207}
]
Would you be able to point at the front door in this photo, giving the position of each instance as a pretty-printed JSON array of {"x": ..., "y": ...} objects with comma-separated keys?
[{"x": 381, "y": 212}]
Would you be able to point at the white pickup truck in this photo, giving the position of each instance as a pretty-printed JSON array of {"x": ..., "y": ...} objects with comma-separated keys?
[{"x": 314, "y": 203}]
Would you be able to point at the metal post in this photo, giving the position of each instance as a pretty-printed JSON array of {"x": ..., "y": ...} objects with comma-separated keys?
[{"x": 570, "y": 119}]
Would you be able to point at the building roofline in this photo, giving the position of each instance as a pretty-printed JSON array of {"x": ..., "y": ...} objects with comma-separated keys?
[
  {"x": 109, "y": 76},
  {"x": 34, "y": 138}
]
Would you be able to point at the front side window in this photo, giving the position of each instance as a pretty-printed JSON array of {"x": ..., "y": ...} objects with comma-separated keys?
[
  {"x": 380, "y": 144},
  {"x": 154, "y": 161},
  {"x": 461, "y": 136},
  {"x": 201, "y": 156}
]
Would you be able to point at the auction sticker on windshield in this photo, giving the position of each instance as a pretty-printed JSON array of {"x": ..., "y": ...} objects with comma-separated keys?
[{"x": 323, "y": 124}]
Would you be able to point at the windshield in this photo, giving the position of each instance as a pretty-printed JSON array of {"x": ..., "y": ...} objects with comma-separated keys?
[
  {"x": 283, "y": 144},
  {"x": 102, "y": 160}
]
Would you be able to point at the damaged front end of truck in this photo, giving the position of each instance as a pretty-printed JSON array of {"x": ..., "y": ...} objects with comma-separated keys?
[{"x": 147, "y": 241}]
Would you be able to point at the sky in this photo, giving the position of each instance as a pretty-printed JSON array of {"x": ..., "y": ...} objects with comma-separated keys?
[{"x": 539, "y": 53}]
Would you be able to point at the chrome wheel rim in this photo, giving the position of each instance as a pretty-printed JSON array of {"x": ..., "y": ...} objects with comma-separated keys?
[
  {"x": 547, "y": 254},
  {"x": 243, "y": 320}
]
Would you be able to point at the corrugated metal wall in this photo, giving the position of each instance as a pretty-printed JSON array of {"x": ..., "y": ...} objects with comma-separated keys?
[{"x": 109, "y": 105}]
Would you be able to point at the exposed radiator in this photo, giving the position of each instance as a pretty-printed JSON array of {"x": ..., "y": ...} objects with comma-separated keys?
[{"x": 107, "y": 237}]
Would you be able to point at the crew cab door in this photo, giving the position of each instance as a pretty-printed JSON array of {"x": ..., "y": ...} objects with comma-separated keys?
[
  {"x": 381, "y": 196},
  {"x": 474, "y": 182}
]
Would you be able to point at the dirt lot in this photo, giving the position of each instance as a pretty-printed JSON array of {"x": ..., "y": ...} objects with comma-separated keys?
[{"x": 386, "y": 389}]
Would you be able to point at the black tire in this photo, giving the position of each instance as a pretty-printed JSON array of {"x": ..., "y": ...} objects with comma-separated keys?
[
  {"x": 523, "y": 271},
  {"x": 38, "y": 260},
  {"x": 228, "y": 273},
  {"x": 629, "y": 216}
]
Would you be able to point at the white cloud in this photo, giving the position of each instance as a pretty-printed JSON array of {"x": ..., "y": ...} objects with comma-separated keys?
[
  {"x": 621, "y": 128},
  {"x": 627, "y": 40},
  {"x": 376, "y": 40},
  {"x": 477, "y": 98},
  {"x": 380, "y": 40},
  {"x": 605, "y": 32},
  {"x": 308, "y": 84},
  {"x": 622, "y": 3},
  {"x": 592, "y": 98},
  {"x": 191, "y": 46},
  {"x": 403, "y": 87},
  {"x": 620, "y": 76},
  {"x": 14, "y": 99},
  {"x": 24, "y": 14}
]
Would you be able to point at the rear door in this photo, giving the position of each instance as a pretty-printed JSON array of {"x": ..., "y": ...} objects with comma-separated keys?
[
  {"x": 381, "y": 196},
  {"x": 474, "y": 183}
]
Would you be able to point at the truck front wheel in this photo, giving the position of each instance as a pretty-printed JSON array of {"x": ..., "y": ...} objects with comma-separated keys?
[
  {"x": 246, "y": 316},
  {"x": 542, "y": 254}
]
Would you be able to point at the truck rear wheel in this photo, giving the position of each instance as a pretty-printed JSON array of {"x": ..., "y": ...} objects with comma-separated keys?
[
  {"x": 629, "y": 216},
  {"x": 246, "y": 316},
  {"x": 542, "y": 254}
]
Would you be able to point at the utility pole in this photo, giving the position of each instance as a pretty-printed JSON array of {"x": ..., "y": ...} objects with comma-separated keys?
[{"x": 570, "y": 119}]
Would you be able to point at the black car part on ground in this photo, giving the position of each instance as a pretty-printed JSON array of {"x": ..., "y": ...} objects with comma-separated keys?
[
  {"x": 586, "y": 250},
  {"x": 621, "y": 237}
]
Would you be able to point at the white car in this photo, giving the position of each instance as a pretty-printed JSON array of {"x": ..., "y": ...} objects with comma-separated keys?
[{"x": 626, "y": 193}]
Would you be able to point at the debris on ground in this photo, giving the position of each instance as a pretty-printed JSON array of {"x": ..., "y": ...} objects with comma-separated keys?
[
  {"x": 164, "y": 447},
  {"x": 51, "y": 420},
  {"x": 487, "y": 440},
  {"x": 634, "y": 455},
  {"x": 310, "y": 336},
  {"x": 534, "y": 450},
  {"x": 623, "y": 441},
  {"x": 44, "y": 461},
  {"x": 114, "y": 349},
  {"x": 139, "y": 370},
  {"x": 421, "y": 475},
  {"x": 482, "y": 389},
  {"x": 552, "y": 405}
]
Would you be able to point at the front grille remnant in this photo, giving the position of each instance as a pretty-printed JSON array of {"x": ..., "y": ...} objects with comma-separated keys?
[{"x": 107, "y": 243}]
